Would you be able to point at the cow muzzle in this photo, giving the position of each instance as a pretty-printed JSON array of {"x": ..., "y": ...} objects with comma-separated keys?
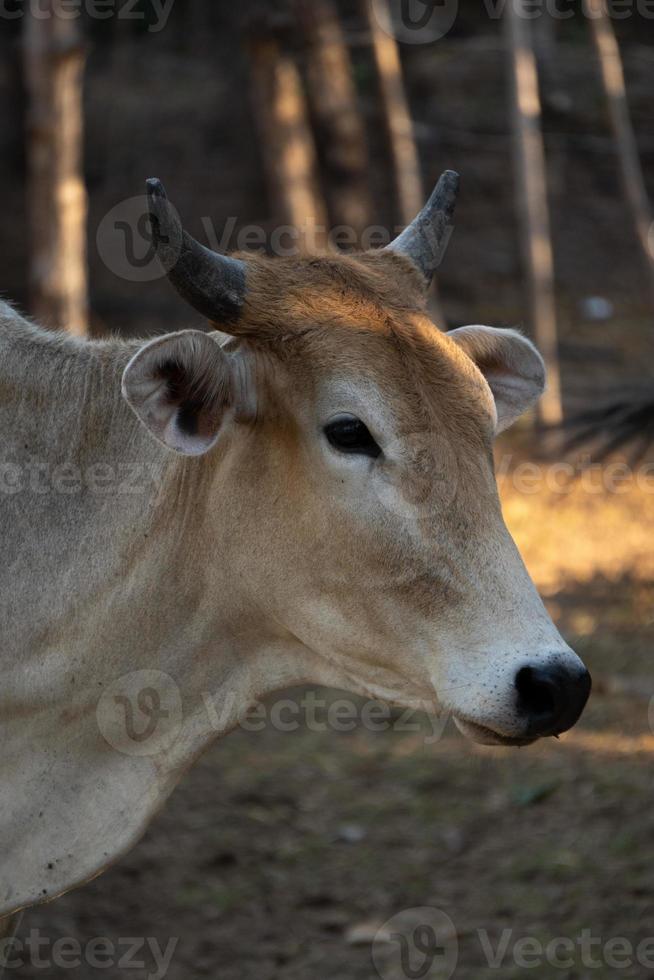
[
  {"x": 551, "y": 698},
  {"x": 546, "y": 700}
]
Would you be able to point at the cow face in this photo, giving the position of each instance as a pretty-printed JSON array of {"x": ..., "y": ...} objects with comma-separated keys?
[{"x": 353, "y": 441}]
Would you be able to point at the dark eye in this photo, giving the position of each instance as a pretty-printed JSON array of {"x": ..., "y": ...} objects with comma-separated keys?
[{"x": 350, "y": 435}]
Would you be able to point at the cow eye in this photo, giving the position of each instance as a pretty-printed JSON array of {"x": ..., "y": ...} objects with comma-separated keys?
[{"x": 349, "y": 435}]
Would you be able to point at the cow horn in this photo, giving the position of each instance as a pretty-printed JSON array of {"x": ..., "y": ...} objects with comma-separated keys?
[
  {"x": 213, "y": 284},
  {"x": 424, "y": 241}
]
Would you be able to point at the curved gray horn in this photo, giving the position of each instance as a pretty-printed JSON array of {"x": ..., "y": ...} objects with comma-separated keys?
[
  {"x": 425, "y": 240},
  {"x": 213, "y": 284}
]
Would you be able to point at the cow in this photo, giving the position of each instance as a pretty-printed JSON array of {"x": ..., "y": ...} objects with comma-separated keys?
[{"x": 302, "y": 493}]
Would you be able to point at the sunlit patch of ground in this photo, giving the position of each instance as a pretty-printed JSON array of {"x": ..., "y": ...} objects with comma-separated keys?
[{"x": 572, "y": 531}]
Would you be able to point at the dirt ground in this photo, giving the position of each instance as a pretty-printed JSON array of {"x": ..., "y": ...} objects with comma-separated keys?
[{"x": 282, "y": 854}]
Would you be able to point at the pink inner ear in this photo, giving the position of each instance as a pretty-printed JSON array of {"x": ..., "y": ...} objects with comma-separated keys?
[
  {"x": 189, "y": 443},
  {"x": 195, "y": 414},
  {"x": 179, "y": 387}
]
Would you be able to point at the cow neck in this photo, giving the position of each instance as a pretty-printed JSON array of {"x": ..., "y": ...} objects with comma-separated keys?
[
  {"x": 66, "y": 394},
  {"x": 73, "y": 384},
  {"x": 64, "y": 421}
]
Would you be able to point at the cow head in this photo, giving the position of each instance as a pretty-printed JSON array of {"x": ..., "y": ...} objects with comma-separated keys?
[{"x": 352, "y": 442}]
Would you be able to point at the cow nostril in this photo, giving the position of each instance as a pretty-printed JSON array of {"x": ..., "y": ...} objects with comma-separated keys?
[
  {"x": 536, "y": 692},
  {"x": 552, "y": 698}
]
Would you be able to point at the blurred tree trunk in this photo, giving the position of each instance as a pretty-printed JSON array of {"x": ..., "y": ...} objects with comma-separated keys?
[
  {"x": 631, "y": 173},
  {"x": 531, "y": 189},
  {"x": 545, "y": 37},
  {"x": 409, "y": 185},
  {"x": 406, "y": 162},
  {"x": 53, "y": 58},
  {"x": 337, "y": 117},
  {"x": 287, "y": 142}
]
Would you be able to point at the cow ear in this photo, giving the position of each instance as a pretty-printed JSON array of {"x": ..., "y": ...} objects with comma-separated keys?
[
  {"x": 512, "y": 366},
  {"x": 179, "y": 386}
]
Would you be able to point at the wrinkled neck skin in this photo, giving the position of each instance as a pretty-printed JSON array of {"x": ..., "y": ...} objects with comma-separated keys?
[{"x": 143, "y": 576}]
